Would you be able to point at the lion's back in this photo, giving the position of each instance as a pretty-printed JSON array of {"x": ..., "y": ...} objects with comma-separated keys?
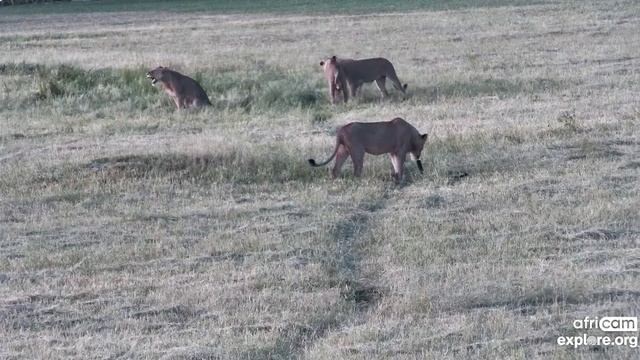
[
  {"x": 368, "y": 69},
  {"x": 188, "y": 87}
]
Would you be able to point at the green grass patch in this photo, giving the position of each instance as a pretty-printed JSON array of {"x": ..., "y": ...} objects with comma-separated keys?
[
  {"x": 263, "y": 88},
  {"x": 70, "y": 89}
]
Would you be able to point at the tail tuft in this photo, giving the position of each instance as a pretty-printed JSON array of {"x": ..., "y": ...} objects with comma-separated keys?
[{"x": 312, "y": 162}]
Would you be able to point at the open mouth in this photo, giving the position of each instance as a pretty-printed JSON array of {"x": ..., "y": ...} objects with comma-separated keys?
[{"x": 153, "y": 80}]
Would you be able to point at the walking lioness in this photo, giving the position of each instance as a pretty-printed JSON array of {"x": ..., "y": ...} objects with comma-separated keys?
[
  {"x": 183, "y": 90},
  {"x": 341, "y": 73},
  {"x": 396, "y": 137}
]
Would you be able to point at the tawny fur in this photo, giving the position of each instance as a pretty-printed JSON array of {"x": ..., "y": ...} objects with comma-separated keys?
[
  {"x": 183, "y": 90},
  {"x": 396, "y": 138},
  {"x": 348, "y": 75}
]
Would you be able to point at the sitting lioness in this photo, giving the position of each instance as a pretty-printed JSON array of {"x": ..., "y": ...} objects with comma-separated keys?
[
  {"x": 342, "y": 72},
  {"x": 184, "y": 91},
  {"x": 396, "y": 137}
]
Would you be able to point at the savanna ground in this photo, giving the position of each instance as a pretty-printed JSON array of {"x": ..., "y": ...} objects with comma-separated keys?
[{"x": 131, "y": 230}]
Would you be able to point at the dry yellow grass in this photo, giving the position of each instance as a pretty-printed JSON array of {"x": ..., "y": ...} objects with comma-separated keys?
[{"x": 130, "y": 230}]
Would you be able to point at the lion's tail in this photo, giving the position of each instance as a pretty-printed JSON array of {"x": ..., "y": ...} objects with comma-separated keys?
[{"x": 312, "y": 162}]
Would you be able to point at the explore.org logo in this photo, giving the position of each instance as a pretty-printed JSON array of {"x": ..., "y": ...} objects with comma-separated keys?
[{"x": 613, "y": 324}]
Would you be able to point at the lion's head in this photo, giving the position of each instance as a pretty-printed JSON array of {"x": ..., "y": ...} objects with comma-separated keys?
[
  {"x": 332, "y": 71},
  {"x": 157, "y": 74},
  {"x": 417, "y": 146}
]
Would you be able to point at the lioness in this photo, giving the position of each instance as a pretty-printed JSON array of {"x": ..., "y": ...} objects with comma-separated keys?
[
  {"x": 396, "y": 137},
  {"x": 184, "y": 91},
  {"x": 342, "y": 72}
]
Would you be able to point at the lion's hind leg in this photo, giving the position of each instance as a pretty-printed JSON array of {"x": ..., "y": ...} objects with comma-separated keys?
[
  {"x": 394, "y": 169},
  {"x": 341, "y": 156},
  {"x": 398, "y": 166},
  {"x": 357, "y": 157},
  {"x": 200, "y": 102}
]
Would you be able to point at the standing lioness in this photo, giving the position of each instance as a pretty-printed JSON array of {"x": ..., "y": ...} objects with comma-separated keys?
[
  {"x": 396, "y": 137},
  {"x": 341, "y": 73},
  {"x": 183, "y": 90}
]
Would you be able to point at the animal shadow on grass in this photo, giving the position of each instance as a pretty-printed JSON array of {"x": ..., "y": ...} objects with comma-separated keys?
[
  {"x": 369, "y": 94},
  {"x": 230, "y": 166},
  {"x": 143, "y": 164},
  {"x": 454, "y": 176}
]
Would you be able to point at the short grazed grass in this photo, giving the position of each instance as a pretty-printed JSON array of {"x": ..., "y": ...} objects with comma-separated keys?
[{"x": 131, "y": 230}]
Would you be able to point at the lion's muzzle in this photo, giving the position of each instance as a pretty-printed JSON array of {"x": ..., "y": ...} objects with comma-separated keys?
[{"x": 153, "y": 80}]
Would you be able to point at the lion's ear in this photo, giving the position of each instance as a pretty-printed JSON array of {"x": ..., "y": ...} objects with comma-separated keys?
[
  {"x": 321, "y": 63},
  {"x": 333, "y": 59}
]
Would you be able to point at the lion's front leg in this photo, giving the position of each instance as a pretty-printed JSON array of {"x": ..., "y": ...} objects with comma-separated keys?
[
  {"x": 381, "y": 86},
  {"x": 332, "y": 92},
  {"x": 357, "y": 157},
  {"x": 176, "y": 100}
]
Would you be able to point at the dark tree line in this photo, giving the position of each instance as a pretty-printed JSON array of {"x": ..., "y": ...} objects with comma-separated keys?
[{"x": 20, "y": 2}]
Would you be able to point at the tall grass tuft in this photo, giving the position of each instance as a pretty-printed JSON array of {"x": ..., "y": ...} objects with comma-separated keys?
[{"x": 264, "y": 88}]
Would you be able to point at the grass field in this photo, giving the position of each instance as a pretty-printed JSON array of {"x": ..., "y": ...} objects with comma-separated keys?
[
  {"x": 131, "y": 230},
  {"x": 262, "y": 7}
]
